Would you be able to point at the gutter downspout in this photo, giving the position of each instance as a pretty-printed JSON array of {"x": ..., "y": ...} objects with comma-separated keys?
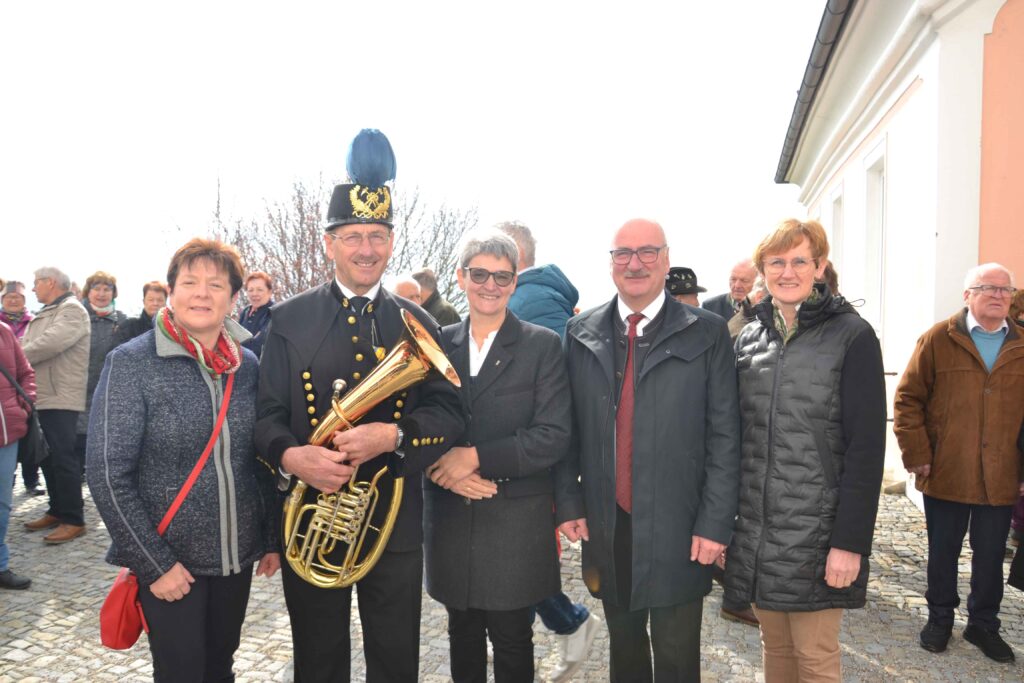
[{"x": 830, "y": 30}]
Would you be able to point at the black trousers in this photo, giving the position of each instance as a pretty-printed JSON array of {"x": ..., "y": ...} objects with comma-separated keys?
[
  {"x": 511, "y": 634},
  {"x": 948, "y": 522},
  {"x": 61, "y": 470},
  {"x": 194, "y": 639},
  {"x": 80, "y": 443},
  {"x": 389, "y": 611},
  {"x": 675, "y": 629}
]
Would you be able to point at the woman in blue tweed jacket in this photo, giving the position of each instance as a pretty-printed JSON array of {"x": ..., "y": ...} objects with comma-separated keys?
[{"x": 152, "y": 415}]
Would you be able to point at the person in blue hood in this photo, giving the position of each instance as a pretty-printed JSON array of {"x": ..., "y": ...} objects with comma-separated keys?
[{"x": 544, "y": 296}]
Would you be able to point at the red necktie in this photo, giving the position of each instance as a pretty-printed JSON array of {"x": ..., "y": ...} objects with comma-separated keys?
[{"x": 624, "y": 425}]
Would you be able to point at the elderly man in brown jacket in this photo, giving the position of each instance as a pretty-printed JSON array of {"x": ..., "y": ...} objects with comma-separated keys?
[{"x": 958, "y": 418}]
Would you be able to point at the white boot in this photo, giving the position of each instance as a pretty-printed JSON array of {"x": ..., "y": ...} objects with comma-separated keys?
[{"x": 573, "y": 649}]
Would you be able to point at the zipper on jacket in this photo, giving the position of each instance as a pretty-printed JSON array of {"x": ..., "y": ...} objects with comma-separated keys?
[
  {"x": 232, "y": 540},
  {"x": 768, "y": 460}
]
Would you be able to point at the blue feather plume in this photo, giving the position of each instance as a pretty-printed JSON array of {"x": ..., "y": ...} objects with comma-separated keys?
[{"x": 370, "y": 160}]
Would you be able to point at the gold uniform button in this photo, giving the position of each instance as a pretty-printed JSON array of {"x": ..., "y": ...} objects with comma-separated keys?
[
  {"x": 311, "y": 410},
  {"x": 355, "y": 340},
  {"x": 416, "y": 443},
  {"x": 351, "y": 320},
  {"x": 310, "y": 397},
  {"x": 308, "y": 387},
  {"x": 356, "y": 375},
  {"x": 399, "y": 403},
  {"x": 314, "y": 422},
  {"x": 369, "y": 309},
  {"x": 404, "y": 394},
  {"x": 442, "y": 439},
  {"x": 436, "y": 440},
  {"x": 397, "y": 415},
  {"x": 359, "y": 356},
  {"x": 306, "y": 375}
]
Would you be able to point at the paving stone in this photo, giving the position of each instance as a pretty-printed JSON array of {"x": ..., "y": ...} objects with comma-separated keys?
[{"x": 51, "y": 631}]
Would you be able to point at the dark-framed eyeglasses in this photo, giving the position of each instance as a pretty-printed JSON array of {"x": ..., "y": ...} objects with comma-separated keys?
[
  {"x": 623, "y": 256},
  {"x": 993, "y": 290},
  {"x": 354, "y": 240},
  {"x": 502, "y": 278}
]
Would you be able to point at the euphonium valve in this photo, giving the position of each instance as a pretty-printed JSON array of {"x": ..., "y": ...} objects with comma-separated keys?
[{"x": 335, "y": 539}]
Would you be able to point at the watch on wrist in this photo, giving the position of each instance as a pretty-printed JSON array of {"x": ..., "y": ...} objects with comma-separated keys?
[{"x": 400, "y": 438}]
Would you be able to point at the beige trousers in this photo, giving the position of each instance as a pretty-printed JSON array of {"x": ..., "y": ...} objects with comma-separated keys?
[{"x": 800, "y": 647}]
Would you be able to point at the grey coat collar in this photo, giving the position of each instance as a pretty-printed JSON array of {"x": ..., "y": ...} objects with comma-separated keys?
[
  {"x": 166, "y": 348},
  {"x": 594, "y": 329},
  {"x": 499, "y": 357}
]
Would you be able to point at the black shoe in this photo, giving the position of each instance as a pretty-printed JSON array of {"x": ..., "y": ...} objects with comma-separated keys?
[
  {"x": 9, "y": 579},
  {"x": 934, "y": 637},
  {"x": 35, "y": 490},
  {"x": 989, "y": 642}
]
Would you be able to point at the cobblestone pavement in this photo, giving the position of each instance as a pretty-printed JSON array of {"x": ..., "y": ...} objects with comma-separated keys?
[{"x": 50, "y": 632}]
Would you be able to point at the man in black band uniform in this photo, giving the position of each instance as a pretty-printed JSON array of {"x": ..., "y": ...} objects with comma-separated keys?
[{"x": 340, "y": 330}]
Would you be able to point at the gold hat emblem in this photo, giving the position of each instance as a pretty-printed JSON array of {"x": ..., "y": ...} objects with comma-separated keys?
[{"x": 370, "y": 203}]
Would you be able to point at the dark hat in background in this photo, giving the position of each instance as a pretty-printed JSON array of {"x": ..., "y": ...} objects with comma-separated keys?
[
  {"x": 366, "y": 198},
  {"x": 682, "y": 280}
]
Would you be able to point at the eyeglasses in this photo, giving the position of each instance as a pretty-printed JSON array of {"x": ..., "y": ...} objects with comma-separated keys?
[
  {"x": 993, "y": 290},
  {"x": 354, "y": 240},
  {"x": 502, "y": 278},
  {"x": 623, "y": 256},
  {"x": 776, "y": 266}
]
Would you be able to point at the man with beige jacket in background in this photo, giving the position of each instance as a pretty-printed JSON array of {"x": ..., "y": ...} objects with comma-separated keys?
[{"x": 57, "y": 345}]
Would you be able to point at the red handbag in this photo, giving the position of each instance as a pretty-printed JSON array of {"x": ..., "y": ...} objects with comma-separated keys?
[{"x": 121, "y": 617}]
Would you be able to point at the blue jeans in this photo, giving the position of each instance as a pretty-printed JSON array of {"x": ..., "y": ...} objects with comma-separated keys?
[
  {"x": 8, "y": 461},
  {"x": 560, "y": 615}
]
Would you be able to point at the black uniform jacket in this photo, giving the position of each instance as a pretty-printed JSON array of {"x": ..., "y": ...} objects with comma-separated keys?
[{"x": 314, "y": 339}]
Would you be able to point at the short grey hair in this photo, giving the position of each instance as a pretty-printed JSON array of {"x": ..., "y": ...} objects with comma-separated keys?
[
  {"x": 524, "y": 240},
  {"x": 56, "y": 274},
  {"x": 759, "y": 285},
  {"x": 977, "y": 272},
  {"x": 426, "y": 279},
  {"x": 493, "y": 242}
]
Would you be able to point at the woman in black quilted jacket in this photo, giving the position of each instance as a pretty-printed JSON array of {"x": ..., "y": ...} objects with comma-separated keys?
[{"x": 812, "y": 399}]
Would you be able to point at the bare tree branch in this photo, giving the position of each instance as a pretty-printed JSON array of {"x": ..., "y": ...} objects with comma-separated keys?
[{"x": 286, "y": 240}]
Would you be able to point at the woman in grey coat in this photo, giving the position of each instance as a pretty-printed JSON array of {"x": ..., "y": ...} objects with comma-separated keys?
[
  {"x": 488, "y": 508},
  {"x": 153, "y": 413},
  {"x": 98, "y": 297}
]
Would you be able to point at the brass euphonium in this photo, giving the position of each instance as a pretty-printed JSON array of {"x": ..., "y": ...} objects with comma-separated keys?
[{"x": 314, "y": 531}]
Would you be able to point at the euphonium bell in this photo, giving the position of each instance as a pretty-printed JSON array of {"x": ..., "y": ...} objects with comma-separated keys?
[{"x": 342, "y": 524}]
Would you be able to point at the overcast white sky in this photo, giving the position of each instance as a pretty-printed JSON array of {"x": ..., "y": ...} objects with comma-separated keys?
[{"x": 119, "y": 118}]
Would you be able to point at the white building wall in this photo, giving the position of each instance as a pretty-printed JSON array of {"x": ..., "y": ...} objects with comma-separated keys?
[
  {"x": 958, "y": 142},
  {"x": 929, "y": 147}
]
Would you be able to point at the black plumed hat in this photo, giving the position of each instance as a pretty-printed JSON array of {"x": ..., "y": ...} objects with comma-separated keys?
[{"x": 366, "y": 198}]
